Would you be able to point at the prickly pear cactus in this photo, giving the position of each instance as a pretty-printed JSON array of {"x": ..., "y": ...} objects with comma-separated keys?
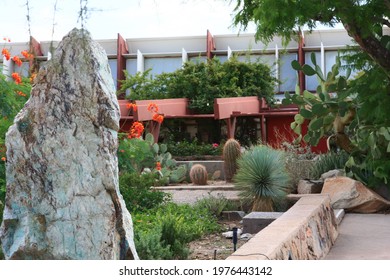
[
  {"x": 231, "y": 152},
  {"x": 178, "y": 175},
  {"x": 198, "y": 174}
]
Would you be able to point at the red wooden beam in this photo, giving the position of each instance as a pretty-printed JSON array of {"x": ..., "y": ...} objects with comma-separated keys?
[
  {"x": 121, "y": 62},
  {"x": 35, "y": 49},
  {"x": 301, "y": 60},
  {"x": 224, "y": 108},
  {"x": 174, "y": 107},
  {"x": 210, "y": 45}
]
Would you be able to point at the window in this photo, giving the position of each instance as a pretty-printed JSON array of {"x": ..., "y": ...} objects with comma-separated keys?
[
  {"x": 113, "y": 63},
  {"x": 160, "y": 65},
  {"x": 330, "y": 60},
  {"x": 222, "y": 58},
  {"x": 312, "y": 81},
  {"x": 131, "y": 66},
  {"x": 287, "y": 75},
  {"x": 198, "y": 59}
]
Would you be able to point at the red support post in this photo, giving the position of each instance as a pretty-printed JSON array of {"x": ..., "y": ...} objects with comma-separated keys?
[
  {"x": 231, "y": 126},
  {"x": 154, "y": 129},
  {"x": 210, "y": 45},
  {"x": 301, "y": 60},
  {"x": 121, "y": 62},
  {"x": 35, "y": 49}
]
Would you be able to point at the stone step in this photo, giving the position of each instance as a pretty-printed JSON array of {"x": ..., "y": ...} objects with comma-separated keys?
[{"x": 256, "y": 221}]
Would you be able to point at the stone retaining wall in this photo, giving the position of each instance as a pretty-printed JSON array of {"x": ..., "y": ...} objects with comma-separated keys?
[{"x": 306, "y": 231}]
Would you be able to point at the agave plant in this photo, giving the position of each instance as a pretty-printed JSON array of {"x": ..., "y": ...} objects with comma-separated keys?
[{"x": 262, "y": 177}]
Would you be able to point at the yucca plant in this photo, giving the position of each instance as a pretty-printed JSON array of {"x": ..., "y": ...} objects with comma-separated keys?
[{"x": 262, "y": 177}]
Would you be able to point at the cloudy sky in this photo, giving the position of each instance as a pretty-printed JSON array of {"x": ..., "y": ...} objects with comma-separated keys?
[{"x": 130, "y": 18}]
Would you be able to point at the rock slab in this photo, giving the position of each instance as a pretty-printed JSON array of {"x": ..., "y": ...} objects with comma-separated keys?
[
  {"x": 352, "y": 196},
  {"x": 63, "y": 199},
  {"x": 256, "y": 221},
  {"x": 310, "y": 186}
]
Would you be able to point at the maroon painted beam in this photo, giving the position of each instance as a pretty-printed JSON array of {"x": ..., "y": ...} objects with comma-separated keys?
[
  {"x": 173, "y": 107},
  {"x": 229, "y": 108},
  {"x": 36, "y": 50},
  {"x": 210, "y": 45},
  {"x": 121, "y": 62},
  {"x": 301, "y": 60},
  {"x": 224, "y": 108}
]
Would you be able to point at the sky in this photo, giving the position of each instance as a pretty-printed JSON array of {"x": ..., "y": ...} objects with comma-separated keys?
[{"x": 107, "y": 18}]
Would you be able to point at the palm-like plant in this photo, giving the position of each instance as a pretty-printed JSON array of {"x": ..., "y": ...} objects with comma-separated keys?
[{"x": 262, "y": 177}]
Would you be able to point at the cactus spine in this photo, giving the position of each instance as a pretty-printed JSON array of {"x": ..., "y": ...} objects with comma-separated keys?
[
  {"x": 198, "y": 174},
  {"x": 231, "y": 152}
]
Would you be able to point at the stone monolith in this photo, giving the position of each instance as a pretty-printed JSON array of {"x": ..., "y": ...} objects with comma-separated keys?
[{"x": 63, "y": 199}]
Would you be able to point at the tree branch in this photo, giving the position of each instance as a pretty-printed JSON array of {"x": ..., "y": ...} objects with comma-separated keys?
[{"x": 371, "y": 45}]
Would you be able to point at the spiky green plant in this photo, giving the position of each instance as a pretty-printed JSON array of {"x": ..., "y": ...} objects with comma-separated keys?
[
  {"x": 198, "y": 174},
  {"x": 262, "y": 177},
  {"x": 327, "y": 162},
  {"x": 231, "y": 152}
]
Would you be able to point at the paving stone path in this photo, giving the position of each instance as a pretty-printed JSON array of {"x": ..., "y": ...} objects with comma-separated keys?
[{"x": 362, "y": 237}]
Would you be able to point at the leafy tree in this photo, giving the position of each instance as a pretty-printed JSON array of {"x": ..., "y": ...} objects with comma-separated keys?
[
  {"x": 202, "y": 82},
  {"x": 363, "y": 19},
  {"x": 357, "y": 114}
]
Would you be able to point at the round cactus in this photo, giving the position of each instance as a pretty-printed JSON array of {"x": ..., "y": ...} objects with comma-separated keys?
[
  {"x": 231, "y": 152},
  {"x": 198, "y": 174}
]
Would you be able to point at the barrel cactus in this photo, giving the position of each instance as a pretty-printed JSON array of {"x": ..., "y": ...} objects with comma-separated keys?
[
  {"x": 198, "y": 174},
  {"x": 231, "y": 152}
]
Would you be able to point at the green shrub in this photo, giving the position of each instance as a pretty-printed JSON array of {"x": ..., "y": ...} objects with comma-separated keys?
[
  {"x": 262, "y": 177},
  {"x": 167, "y": 241},
  {"x": 164, "y": 232},
  {"x": 203, "y": 82},
  {"x": 149, "y": 246},
  {"x": 216, "y": 204},
  {"x": 191, "y": 148},
  {"x": 327, "y": 162},
  {"x": 134, "y": 155},
  {"x": 144, "y": 155},
  {"x": 137, "y": 191}
]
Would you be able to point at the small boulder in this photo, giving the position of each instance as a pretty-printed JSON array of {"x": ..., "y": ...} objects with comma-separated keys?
[
  {"x": 352, "y": 196},
  {"x": 216, "y": 175},
  {"x": 246, "y": 236},
  {"x": 332, "y": 174},
  {"x": 310, "y": 186},
  {"x": 229, "y": 234}
]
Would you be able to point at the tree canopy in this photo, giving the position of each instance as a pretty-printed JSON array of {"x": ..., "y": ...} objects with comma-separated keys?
[
  {"x": 358, "y": 114},
  {"x": 363, "y": 19}
]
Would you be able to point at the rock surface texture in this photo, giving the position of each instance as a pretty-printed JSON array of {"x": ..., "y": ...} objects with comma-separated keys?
[
  {"x": 352, "y": 196},
  {"x": 63, "y": 199}
]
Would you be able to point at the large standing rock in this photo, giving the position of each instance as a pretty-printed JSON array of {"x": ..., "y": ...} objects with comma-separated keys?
[
  {"x": 63, "y": 200},
  {"x": 350, "y": 195}
]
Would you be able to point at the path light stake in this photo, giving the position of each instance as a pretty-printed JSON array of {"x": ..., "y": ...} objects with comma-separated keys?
[{"x": 235, "y": 238}]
